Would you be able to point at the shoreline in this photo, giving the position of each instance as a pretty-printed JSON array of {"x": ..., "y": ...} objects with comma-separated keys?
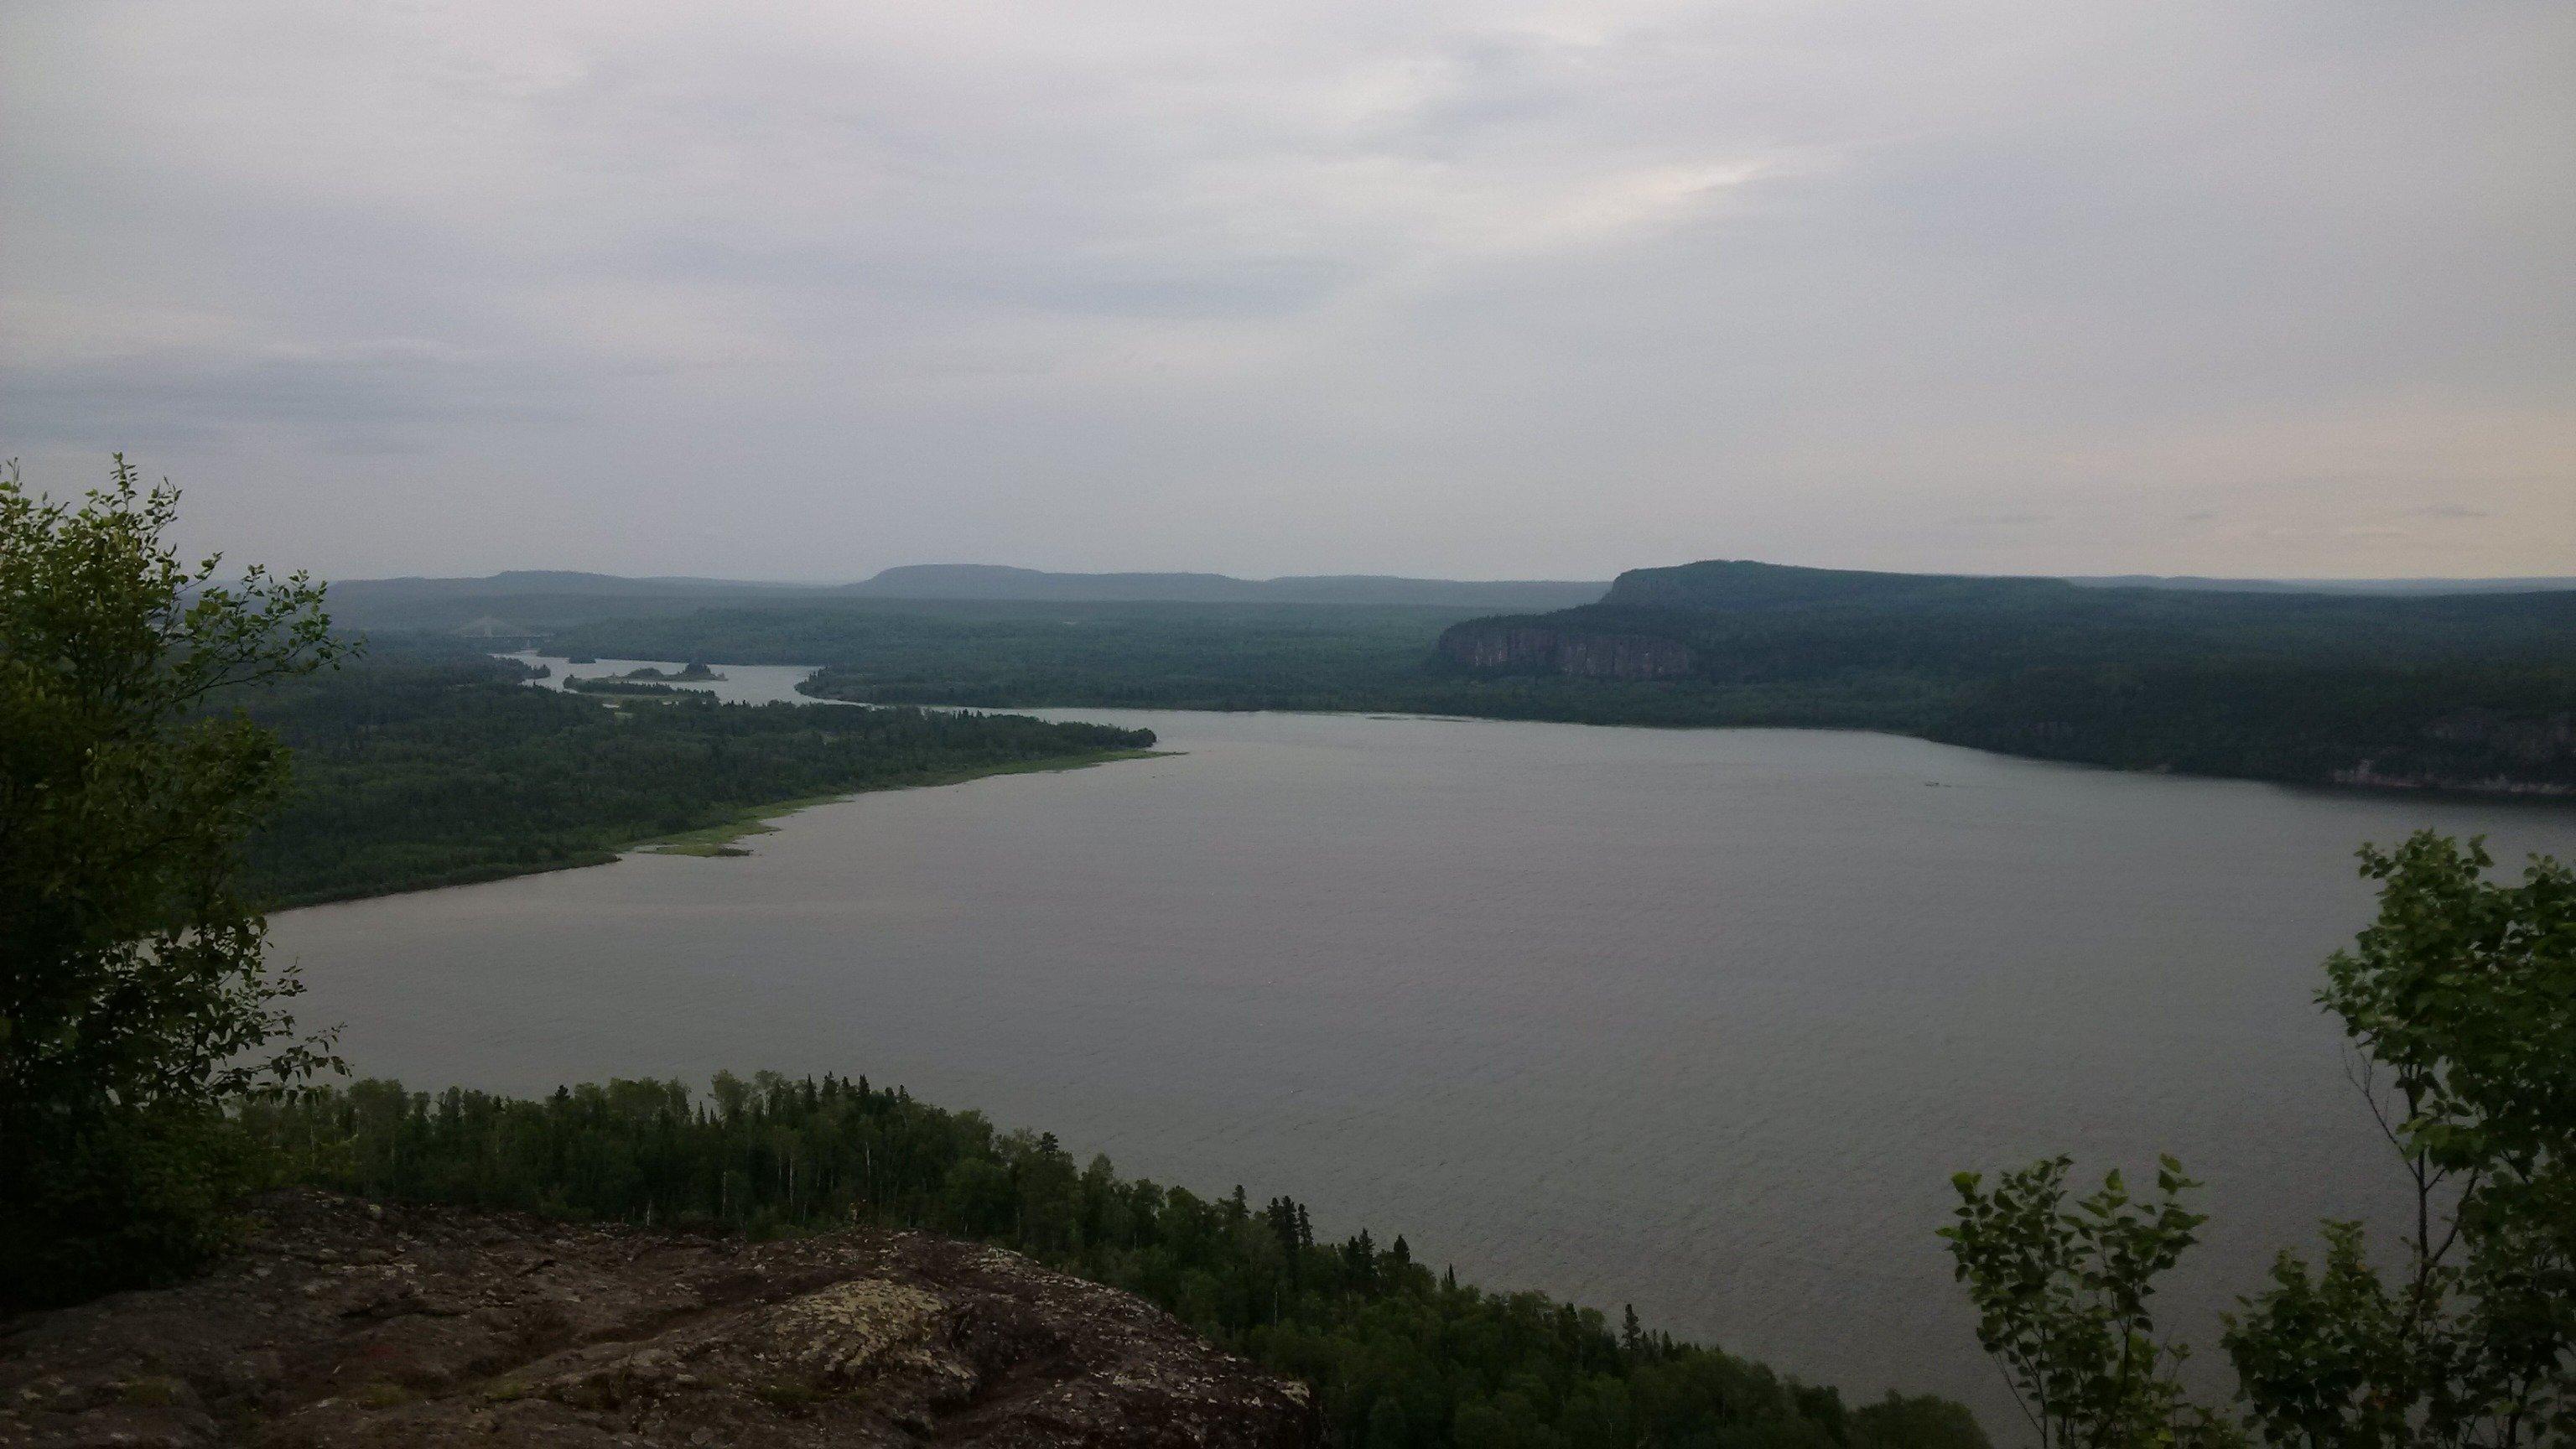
[
  {"x": 716, "y": 840},
  {"x": 2544, "y": 796}
]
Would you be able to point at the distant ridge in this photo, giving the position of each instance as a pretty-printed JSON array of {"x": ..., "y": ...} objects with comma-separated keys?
[
  {"x": 555, "y": 581},
  {"x": 2195, "y": 584},
  {"x": 2468, "y": 690},
  {"x": 538, "y": 601},
  {"x": 1000, "y": 582},
  {"x": 1737, "y": 584}
]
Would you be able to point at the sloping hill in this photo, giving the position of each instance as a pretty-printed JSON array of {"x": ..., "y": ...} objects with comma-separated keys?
[
  {"x": 1750, "y": 620},
  {"x": 527, "y": 602},
  {"x": 2526, "y": 585},
  {"x": 535, "y": 601},
  {"x": 2462, "y": 691},
  {"x": 1001, "y": 583}
]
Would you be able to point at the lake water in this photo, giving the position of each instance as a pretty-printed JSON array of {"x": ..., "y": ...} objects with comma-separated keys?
[{"x": 1697, "y": 1020}]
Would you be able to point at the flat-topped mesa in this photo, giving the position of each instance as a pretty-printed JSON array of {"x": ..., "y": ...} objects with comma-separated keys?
[
  {"x": 1743, "y": 584},
  {"x": 2466, "y": 691},
  {"x": 342, "y": 1323},
  {"x": 1514, "y": 646}
]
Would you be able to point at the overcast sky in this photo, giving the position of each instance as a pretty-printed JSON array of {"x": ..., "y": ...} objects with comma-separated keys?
[{"x": 1485, "y": 289}]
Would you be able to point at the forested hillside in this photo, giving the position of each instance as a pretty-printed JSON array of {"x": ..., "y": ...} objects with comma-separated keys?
[
  {"x": 424, "y": 768},
  {"x": 1399, "y": 1354},
  {"x": 2464, "y": 691},
  {"x": 1833, "y": 617},
  {"x": 2471, "y": 692},
  {"x": 982, "y": 654}
]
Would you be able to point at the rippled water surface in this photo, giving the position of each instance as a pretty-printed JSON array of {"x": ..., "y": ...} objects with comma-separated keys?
[{"x": 1700, "y": 1021}]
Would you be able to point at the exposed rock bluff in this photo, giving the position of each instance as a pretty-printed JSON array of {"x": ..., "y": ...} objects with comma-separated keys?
[
  {"x": 1520, "y": 648},
  {"x": 345, "y": 1324}
]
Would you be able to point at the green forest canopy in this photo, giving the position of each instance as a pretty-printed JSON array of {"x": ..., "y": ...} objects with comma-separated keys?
[
  {"x": 422, "y": 767},
  {"x": 1399, "y": 1355},
  {"x": 2459, "y": 691}
]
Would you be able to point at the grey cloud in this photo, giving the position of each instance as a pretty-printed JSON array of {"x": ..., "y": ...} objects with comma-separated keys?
[
  {"x": 398, "y": 397},
  {"x": 1536, "y": 289},
  {"x": 1068, "y": 281}
]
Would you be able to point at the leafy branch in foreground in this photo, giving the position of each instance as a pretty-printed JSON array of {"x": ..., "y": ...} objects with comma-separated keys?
[
  {"x": 2460, "y": 1000},
  {"x": 134, "y": 997},
  {"x": 2063, "y": 1301},
  {"x": 2463, "y": 996}
]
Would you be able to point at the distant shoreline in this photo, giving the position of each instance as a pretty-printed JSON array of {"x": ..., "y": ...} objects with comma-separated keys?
[
  {"x": 717, "y": 838},
  {"x": 2544, "y": 796}
]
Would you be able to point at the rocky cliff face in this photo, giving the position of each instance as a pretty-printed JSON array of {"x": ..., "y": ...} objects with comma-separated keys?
[
  {"x": 345, "y": 1324},
  {"x": 1523, "y": 648},
  {"x": 2533, "y": 740},
  {"x": 2481, "y": 751}
]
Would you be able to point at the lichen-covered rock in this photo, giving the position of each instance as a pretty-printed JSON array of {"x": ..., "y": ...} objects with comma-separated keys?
[{"x": 344, "y": 1323}]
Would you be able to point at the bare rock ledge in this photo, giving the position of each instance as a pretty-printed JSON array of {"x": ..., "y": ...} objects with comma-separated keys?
[{"x": 343, "y": 1323}]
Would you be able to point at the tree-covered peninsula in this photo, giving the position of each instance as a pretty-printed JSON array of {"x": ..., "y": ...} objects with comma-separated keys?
[{"x": 419, "y": 767}]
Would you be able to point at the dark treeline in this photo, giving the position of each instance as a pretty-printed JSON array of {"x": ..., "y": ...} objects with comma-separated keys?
[
  {"x": 1204, "y": 656},
  {"x": 2471, "y": 691},
  {"x": 1139, "y": 656},
  {"x": 593, "y": 684},
  {"x": 1755, "y": 615},
  {"x": 2470, "y": 726},
  {"x": 421, "y": 767},
  {"x": 1398, "y": 1354}
]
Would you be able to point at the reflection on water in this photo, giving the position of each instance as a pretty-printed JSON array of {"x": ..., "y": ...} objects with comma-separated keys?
[{"x": 1696, "y": 1020}]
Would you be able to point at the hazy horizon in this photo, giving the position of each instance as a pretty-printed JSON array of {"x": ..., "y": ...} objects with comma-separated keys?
[
  {"x": 827, "y": 582},
  {"x": 2272, "y": 290}
]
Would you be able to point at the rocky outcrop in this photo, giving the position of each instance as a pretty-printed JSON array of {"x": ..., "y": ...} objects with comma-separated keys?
[
  {"x": 2369, "y": 773},
  {"x": 342, "y": 1323},
  {"x": 1523, "y": 648},
  {"x": 2482, "y": 752},
  {"x": 2525, "y": 740}
]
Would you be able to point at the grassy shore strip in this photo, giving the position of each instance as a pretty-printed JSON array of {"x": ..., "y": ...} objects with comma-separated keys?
[
  {"x": 719, "y": 839},
  {"x": 464, "y": 875}
]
